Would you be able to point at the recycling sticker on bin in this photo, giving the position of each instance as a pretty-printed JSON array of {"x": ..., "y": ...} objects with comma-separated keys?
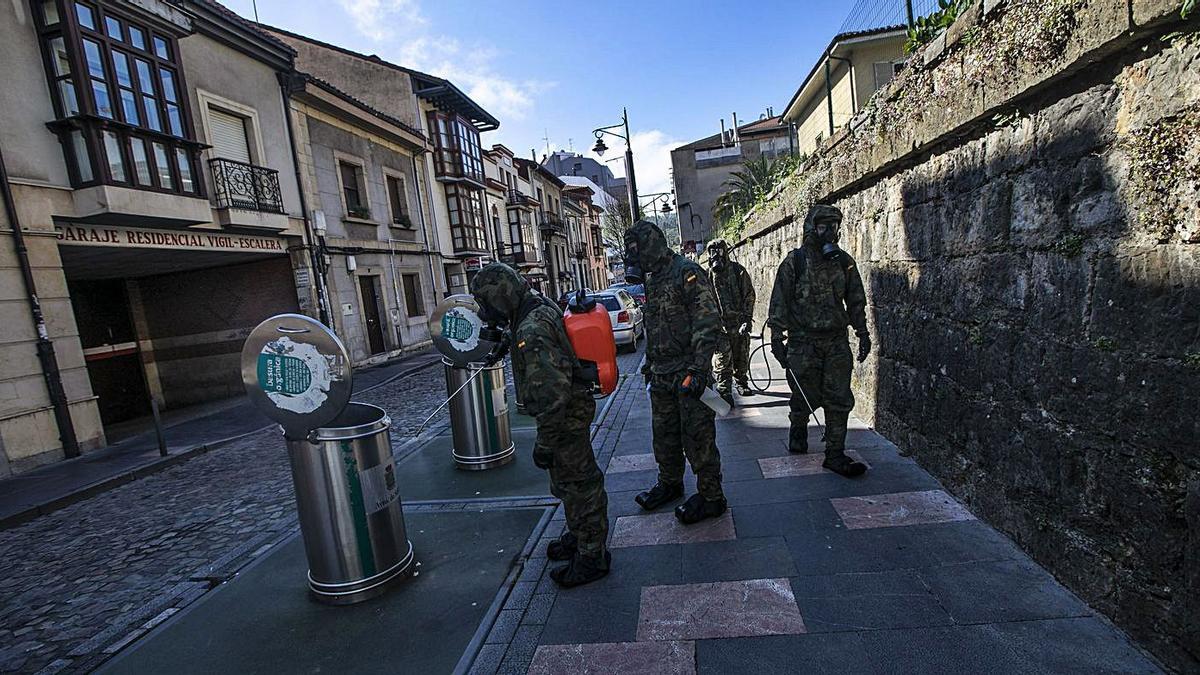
[
  {"x": 297, "y": 372},
  {"x": 294, "y": 374},
  {"x": 457, "y": 331}
]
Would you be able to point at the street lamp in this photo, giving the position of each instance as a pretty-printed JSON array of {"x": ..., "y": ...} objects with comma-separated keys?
[{"x": 635, "y": 211}]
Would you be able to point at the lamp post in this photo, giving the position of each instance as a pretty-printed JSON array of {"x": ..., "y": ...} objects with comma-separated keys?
[
  {"x": 635, "y": 211},
  {"x": 666, "y": 198}
]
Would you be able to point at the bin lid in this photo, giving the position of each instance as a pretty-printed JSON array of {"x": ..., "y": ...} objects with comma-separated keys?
[
  {"x": 297, "y": 372},
  {"x": 455, "y": 329}
]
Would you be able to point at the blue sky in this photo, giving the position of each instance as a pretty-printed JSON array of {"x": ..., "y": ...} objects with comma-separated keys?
[{"x": 561, "y": 69}]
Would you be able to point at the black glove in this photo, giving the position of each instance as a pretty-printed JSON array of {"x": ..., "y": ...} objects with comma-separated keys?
[
  {"x": 779, "y": 351},
  {"x": 693, "y": 384},
  {"x": 744, "y": 329},
  {"x": 503, "y": 341},
  {"x": 543, "y": 457},
  {"x": 864, "y": 346}
]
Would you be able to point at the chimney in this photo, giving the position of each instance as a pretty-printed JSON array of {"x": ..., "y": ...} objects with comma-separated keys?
[
  {"x": 737, "y": 138},
  {"x": 722, "y": 132}
]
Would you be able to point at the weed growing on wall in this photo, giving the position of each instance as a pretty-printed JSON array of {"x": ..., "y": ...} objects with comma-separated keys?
[{"x": 1164, "y": 161}]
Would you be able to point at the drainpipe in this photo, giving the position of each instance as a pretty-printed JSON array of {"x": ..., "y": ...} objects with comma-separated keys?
[
  {"x": 317, "y": 244},
  {"x": 45, "y": 348}
]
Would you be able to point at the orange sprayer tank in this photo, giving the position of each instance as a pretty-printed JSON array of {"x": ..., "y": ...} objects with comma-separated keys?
[{"x": 590, "y": 331}]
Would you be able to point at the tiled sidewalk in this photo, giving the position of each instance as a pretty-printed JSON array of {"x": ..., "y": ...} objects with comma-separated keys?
[{"x": 807, "y": 572}]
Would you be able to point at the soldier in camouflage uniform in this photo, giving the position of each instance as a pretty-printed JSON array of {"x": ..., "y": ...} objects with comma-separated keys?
[
  {"x": 557, "y": 395},
  {"x": 683, "y": 330},
  {"x": 735, "y": 295},
  {"x": 818, "y": 293}
]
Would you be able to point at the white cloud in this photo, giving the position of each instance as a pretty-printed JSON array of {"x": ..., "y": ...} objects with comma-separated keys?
[
  {"x": 651, "y": 159},
  {"x": 403, "y": 35},
  {"x": 376, "y": 19}
]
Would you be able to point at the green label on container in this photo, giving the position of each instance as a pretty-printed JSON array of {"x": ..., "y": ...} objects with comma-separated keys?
[{"x": 283, "y": 374}]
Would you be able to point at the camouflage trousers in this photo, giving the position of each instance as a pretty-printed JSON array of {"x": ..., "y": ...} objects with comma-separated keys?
[
  {"x": 575, "y": 478},
  {"x": 822, "y": 368},
  {"x": 734, "y": 362},
  {"x": 684, "y": 427}
]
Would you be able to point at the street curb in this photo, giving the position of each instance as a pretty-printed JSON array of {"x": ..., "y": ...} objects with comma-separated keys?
[{"x": 155, "y": 466}]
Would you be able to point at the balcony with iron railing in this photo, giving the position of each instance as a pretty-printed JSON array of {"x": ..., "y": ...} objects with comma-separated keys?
[
  {"x": 518, "y": 198},
  {"x": 519, "y": 254},
  {"x": 598, "y": 252},
  {"x": 246, "y": 195},
  {"x": 552, "y": 224},
  {"x": 238, "y": 185},
  {"x": 579, "y": 251}
]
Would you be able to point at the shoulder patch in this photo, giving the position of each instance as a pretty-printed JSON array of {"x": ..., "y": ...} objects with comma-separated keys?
[{"x": 691, "y": 276}]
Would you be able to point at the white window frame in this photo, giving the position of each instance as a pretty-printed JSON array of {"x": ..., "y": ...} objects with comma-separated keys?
[{"x": 209, "y": 100}]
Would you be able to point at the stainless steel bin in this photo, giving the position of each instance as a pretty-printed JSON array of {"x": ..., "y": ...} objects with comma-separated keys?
[
  {"x": 348, "y": 498},
  {"x": 479, "y": 417}
]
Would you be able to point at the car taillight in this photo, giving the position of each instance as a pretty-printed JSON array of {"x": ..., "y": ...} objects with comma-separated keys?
[{"x": 623, "y": 317}]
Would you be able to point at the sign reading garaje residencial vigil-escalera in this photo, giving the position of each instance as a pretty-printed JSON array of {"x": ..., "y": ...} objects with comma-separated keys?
[{"x": 182, "y": 240}]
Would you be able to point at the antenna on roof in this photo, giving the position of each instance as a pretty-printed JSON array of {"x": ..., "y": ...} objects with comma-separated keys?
[{"x": 254, "y": 4}]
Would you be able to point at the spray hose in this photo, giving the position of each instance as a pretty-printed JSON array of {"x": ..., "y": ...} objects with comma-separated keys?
[{"x": 791, "y": 377}]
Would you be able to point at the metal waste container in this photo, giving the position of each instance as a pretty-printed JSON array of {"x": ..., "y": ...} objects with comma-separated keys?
[
  {"x": 298, "y": 374},
  {"x": 479, "y": 416},
  {"x": 348, "y": 498}
]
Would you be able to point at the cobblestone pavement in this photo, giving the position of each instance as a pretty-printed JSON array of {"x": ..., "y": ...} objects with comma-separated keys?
[{"x": 81, "y": 582}]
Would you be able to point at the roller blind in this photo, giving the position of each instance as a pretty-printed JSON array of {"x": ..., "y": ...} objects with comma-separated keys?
[{"x": 228, "y": 136}]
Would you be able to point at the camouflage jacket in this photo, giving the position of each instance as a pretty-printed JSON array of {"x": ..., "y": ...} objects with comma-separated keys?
[
  {"x": 816, "y": 297},
  {"x": 683, "y": 321},
  {"x": 735, "y": 294},
  {"x": 544, "y": 362}
]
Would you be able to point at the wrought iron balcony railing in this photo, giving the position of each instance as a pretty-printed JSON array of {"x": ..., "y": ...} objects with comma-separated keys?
[
  {"x": 519, "y": 254},
  {"x": 239, "y": 185},
  {"x": 549, "y": 222},
  {"x": 518, "y": 198},
  {"x": 579, "y": 251}
]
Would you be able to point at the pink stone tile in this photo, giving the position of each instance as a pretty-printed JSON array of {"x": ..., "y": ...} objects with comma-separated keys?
[
  {"x": 625, "y": 463},
  {"x": 627, "y": 658},
  {"x": 664, "y": 528},
  {"x": 719, "y": 610},
  {"x": 901, "y": 508},
  {"x": 798, "y": 465}
]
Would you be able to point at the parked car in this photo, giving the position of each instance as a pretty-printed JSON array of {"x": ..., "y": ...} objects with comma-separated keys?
[
  {"x": 625, "y": 314},
  {"x": 638, "y": 291}
]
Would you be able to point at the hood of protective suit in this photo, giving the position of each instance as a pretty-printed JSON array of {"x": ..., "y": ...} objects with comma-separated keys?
[
  {"x": 816, "y": 212},
  {"x": 650, "y": 244},
  {"x": 499, "y": 290}
]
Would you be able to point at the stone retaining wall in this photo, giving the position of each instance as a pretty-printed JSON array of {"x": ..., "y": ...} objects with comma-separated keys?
[{"x": 1024, "y": 205}]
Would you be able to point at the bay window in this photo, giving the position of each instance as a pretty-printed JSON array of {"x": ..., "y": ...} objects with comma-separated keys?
[
  {"x": 457, "y": 153},
  {"x": 467, "y": 223},
  {"x": 119, "y": 101}
]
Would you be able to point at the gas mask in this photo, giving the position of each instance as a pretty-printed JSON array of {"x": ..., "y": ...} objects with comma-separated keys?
[
  {"x": 827, "y": 235},
  {"x": 633, "y": 262},
  {"x": 720, "y": 258}
]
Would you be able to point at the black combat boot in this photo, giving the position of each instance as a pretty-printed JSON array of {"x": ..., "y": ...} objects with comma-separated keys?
[
  {"x": 582, "y": 570},
  {"x": 798, "y": 438},
  {"x": 658, "y": 495},
  {"x": 844, "y": 465},
  {"x": 562, "y": 548},
  {"x": 835, "y": 446},
  {"x": 697, "y": 508},
  {"x": 743, "y": 389}
]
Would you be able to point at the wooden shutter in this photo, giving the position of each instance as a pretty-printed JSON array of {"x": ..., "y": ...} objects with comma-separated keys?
[{"x": 228, "y": 136}]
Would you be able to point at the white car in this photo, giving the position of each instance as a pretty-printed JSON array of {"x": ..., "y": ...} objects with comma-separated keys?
[{"x": 625, "y": 314}]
